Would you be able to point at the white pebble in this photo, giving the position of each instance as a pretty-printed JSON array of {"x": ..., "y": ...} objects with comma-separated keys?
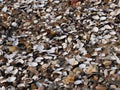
[
  {"x": 4, "y": 9},
  {"x": 3, "y": 88},
  {"x": 72, "y": 61},
  {"x": 14, "y": 24},
  {"x": 95, "y": 17},
  {"x": 107, "y": 27},
  {"x": 35, "y": 21},
  {"x": 82, "y": 66},
  {"x": 48, "y": 9},
  {"x": 107, "y": 36},
  {"x": 95, "y": 29},
  {"x": 1, "y": 52},
  {"x": 58, "y": 17},
  {"x": 64, "y": 45},
  {"x": 112, "y": 32},
  {"x": 11, "y": 79},
  {"x": 104, "y": 41},
  {"x": 20, "y": 61},
  {"x": 15, "y": 71},
  {"x": 78, "y": 82},
  {"x": 115, "y": 13},
  {"x": 33, "y": 64},
  {"x": 9, "y": 69},
  {"x": 56, "y": 1},
  {"x": 38, "y": 59},
  {"x": 16, "y": 5},
  {"x": 102, "y": 18}
]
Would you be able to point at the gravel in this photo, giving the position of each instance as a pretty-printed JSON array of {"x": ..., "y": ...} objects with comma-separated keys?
[{"x": 59, "y": 44}]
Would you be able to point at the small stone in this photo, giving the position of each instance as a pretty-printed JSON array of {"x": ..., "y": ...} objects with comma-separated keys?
[
  {"x": 33, "y": 64},
  {"x": 35, "y": 21},
  {"x": 95, "y": 29},
  {"x": 115, "y": 13},
  {"x": 90, "y": 69},
  {"x": 82, "y": 66},
  {"x": 107, "y": 27},
  {"x": 78, "y": 82},
  {"x": 113, "y": 86},
  {"x": 14, "y": 24},
  {"x": 69, "y": 38},
  {"x": 33, "y": 70},
  {"x": 4, "y": 9},
  {"x": 33, "y": 87},
  {"x": 9, "y": 69},
  {"x": 101, "y": 87},
  {"x": 68, "y": 79},
  {"x": 107, "y": 63},
  {"x": 64, "y": 45},
  {"x": 72, "y": 61},
  {"x": 56, "y": 1},
  {"x": 59, "y": 17},
  {"x": 38, "y": 59},
  {"x": 107, "y": 36},
  {"x": 102, "y": 18},
  {"x": 1, "y": 52},
  {"x": 95, "y": 17},
  {"x": 11, "y": 79},
  {"x": 12, "y": 48},
  {"x": 112, "y": 32}
]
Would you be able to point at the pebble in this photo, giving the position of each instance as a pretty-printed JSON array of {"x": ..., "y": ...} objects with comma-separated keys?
[
  {"x": 112, "y": 32},
  {"x": 58, "y": 17},
  {"x": 115, "y": 13},
  {"x": 32, "y": 64},
  {"x": 101, "y": 87},
  {"x": 113, "y": 87},
  {"x": 12, "y": 48},
  {"x": 90, "y": 69},
  {"x": 4, "y": 9},
  {"x": 107, "y": 27},
  {"x": 9, "y": 69},
  {"x": 107, "y": 63},
  {"x": 95, "y": 29},
  {"x": 103, "y": 18},
  {"x": 14, "y": 24},
  {"x": 56, "y": 1},
  {"x": 38, "y": 59},
  {"x": 11, "y": 79},
  {"x": 96, "y": 17},
  {"x": 35, "y": 21},
  {"x": 78, "y": 82},
  {"x": 107, "y": 36},
  {"x": 72, "y": 61},
  {"x": 1, "y": 52},
  {"x": 82, "y": 66}
]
